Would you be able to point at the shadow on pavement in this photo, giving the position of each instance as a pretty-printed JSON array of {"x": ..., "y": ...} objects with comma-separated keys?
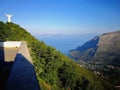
[{"x": 22, "y": 75}]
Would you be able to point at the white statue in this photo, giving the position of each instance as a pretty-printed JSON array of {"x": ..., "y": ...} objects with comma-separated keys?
[{"x": 9, "y": 17}]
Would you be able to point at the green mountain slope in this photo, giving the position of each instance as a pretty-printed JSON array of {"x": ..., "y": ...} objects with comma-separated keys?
[
  {"x": 54, "y": 70},
  {"x": 102, "y": 53}
]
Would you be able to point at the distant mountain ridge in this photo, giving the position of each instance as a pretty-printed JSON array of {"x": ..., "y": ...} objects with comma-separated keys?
[
  {"x": 109, "y": 48},
  {"x": 86, "y": 51},
  {"x": 106, "y": 46},
  {"x": 101, "y": 54}
]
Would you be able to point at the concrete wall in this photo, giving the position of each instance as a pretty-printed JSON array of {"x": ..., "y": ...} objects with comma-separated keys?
[
  {"x": 22, "y": 75},
  {"x": 10, "y": 44}
]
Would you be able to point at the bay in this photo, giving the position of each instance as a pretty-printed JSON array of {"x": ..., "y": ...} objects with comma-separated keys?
[{"x": 64, "y": 43}]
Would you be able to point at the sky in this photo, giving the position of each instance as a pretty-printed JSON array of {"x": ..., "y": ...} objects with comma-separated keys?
[{"x": 68, "y": 17}]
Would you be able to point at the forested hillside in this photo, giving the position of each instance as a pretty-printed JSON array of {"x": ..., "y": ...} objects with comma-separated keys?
[{"x": 54, "y": 70}]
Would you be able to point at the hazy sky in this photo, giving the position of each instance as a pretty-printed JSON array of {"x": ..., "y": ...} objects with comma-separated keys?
[{"x": 63, "y": 16}]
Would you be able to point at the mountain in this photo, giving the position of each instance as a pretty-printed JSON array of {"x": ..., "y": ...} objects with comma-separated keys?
[
  {"x": 102, "y": 53},
  {"x": 86, "y": 51},
  {"x": 54, "y": 70}
]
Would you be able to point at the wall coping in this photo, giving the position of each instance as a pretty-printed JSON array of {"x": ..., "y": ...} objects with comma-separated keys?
[{"x": 9, "y": 44}]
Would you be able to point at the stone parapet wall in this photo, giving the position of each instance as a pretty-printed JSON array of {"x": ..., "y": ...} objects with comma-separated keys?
[{"x": 9, "y": 44}]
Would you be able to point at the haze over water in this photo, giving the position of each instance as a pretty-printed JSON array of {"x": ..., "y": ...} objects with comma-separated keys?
[{"x": 64, "y": 43}]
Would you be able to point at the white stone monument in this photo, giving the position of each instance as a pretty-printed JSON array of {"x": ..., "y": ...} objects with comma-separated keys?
[{"x": 9, "y": 17}]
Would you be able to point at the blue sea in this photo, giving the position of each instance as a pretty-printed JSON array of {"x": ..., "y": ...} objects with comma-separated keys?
[{"x": 64, "y": 43}]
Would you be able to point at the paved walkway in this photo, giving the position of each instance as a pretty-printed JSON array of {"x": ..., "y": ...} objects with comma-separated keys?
[
  {"x": 8, "y": 54},
  {"x": 23, "y": 76}
]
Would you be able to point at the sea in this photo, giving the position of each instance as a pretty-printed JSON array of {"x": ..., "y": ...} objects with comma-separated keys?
[{"x": 64, "y": 43}]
